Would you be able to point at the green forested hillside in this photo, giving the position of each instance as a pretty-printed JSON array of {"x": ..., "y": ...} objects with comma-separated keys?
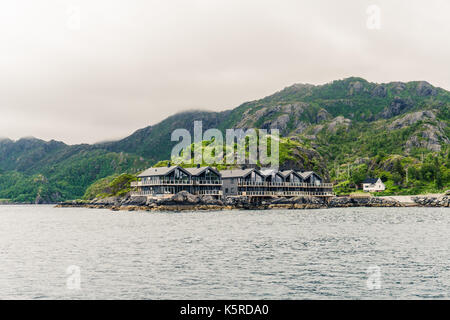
[
  {"x": 59, "y": 174},
  {"x": 154, "y": 143},
  {"x": 348, "y": 129}
]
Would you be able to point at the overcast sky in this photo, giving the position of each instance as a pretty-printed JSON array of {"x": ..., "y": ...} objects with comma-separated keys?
[{"x": 124, "y": 65}]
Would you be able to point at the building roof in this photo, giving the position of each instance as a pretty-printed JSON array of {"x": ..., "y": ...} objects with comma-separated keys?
[
  {"x": 286, "y": 173},
  {"x": 371, "y": 180},
  {"x": 198, "y": 171},
  {"x": 269, "y": 172},
  {"x": 160, "y": 171},
  {"x": 305, "y": 174},
  {"x": 237, "y": 173}
]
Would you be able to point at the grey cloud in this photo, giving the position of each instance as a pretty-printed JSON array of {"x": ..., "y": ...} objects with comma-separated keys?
[{"x": 133, "y": 63}]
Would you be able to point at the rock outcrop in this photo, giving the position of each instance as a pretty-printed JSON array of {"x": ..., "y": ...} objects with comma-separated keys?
[
  {"x": 442, "y": 201},
  {"x": 339, "y": 122},
  {"x": 355, "y": 87},
  {"x": 379, "y": 91},
  {"x": 339, "y": 202},
  {"x": 398, "y": 106},
  {"x": 425, "y": 89},
  {"x": 185, "y": 201},
  {"x": 412, "y": 118},
  {"x": 430, "y": 138},
  {"x": 323, "y": 115}
]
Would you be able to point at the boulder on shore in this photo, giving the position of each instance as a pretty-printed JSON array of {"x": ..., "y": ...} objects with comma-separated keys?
[
  {"x": 362, "y": 202},
  {"x": 442, "y": 201},
  {"x": 135, "y": 201}
]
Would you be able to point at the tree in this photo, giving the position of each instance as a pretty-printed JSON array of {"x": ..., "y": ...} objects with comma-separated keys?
[
  {"x": 359, "y": 174},
  {"x": 398, "y": 168},
  {"x": 398, "y": 179},
  {"x": 439, "y": 183},
  {"x": 412, "y": 173},
  {"x": 398, "y": 173}
]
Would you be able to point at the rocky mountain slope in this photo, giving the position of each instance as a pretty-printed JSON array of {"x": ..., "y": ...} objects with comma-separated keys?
[
  {"x": 306, "y": 110},
  {"x": 346, "y": 129}
]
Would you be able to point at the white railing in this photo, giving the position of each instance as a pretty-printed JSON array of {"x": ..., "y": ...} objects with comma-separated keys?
[
  {"x": 209, "y": 192},
  {"x": 219, "y": 182},
  {"x": 244, "y": 193},
  {"x": 151, "y": 194},
  {"x": 174, "y": 182},
  {"x": 141, "y": 193},
  {"x": 284, "y": 193},
  {"x": 283, "y": 184},
  {"x": 200, "y": 193},
  {"x": 160, "y": 182},
  {"x": 214, "y": 182}
]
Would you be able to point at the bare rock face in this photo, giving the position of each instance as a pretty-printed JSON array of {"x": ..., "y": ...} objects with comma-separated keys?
[
  {"x": 301, "y": 127},
  {"x": 412, "y": 118},
  {"x": 431, "y": 138},
  {"x": 355, "y": 87},
  {"x": 379, "y": 91},
  {"x": 398, "y": 87},
  {"x": 338, "y": 121},
  {"x": 280, "y": 122},
  {"x": 323, "y": 115},
  {"x": 282, "y": 114},
  {"x": 249, "y": 118},
  {"x": 425, "y": 89},
  {"x": 397, "y": 107}
]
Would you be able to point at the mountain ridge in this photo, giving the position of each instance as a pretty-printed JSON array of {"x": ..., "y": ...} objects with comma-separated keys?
[{"x": 343, "y": 121}]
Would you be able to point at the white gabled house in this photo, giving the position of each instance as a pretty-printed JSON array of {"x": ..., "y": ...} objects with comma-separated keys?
[{"x": 373, "y": 185}]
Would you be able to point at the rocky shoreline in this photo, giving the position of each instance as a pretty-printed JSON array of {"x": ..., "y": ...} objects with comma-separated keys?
[
  {"x": 185, "y": 201},
  {"x": 443, "y": 201}
]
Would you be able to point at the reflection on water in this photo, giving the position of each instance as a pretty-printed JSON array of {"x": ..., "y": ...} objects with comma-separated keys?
[{"x": 74, "y": 253}]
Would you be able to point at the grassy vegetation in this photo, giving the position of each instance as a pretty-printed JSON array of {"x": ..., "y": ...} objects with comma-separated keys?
[
  {"x": 114, "y": 185},
  {"x": 401, "y": 175}
]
